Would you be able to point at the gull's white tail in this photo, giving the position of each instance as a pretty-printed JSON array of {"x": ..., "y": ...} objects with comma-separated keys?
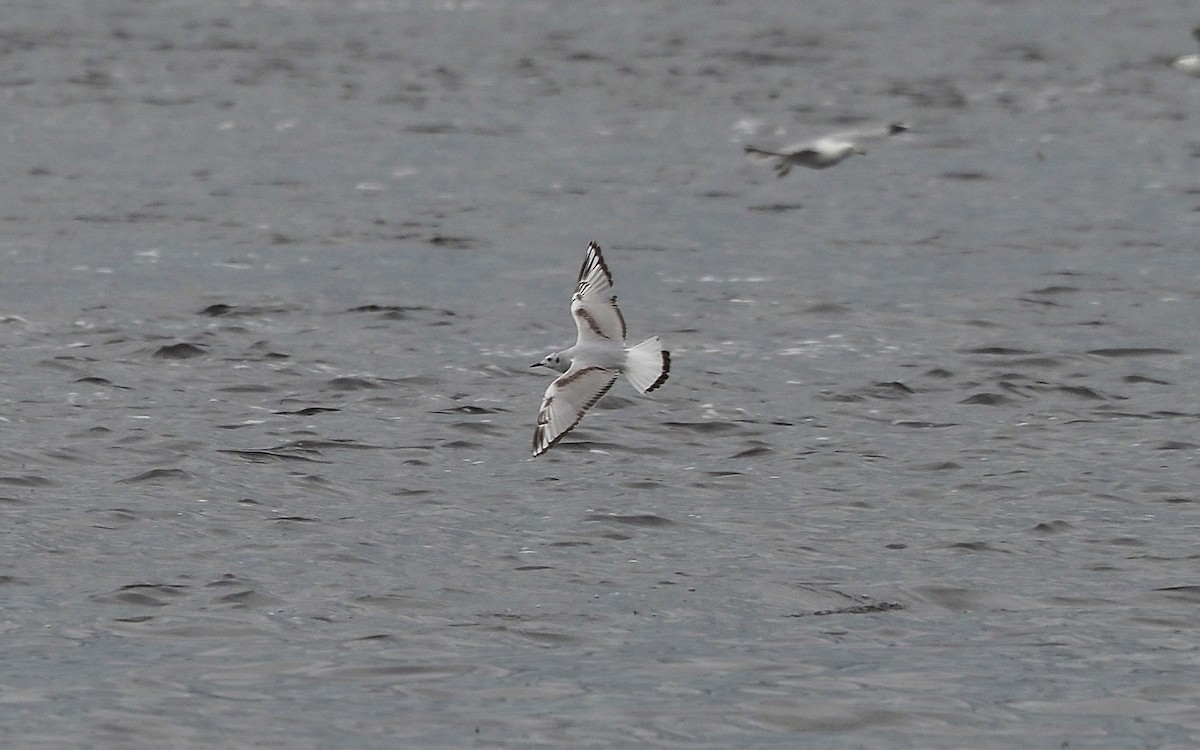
[{"x": 647, "y": 365}]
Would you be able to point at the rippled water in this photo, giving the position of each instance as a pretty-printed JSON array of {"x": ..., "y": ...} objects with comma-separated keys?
[{"x": 924, "y": 474}]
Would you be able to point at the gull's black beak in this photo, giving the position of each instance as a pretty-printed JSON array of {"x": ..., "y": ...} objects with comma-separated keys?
[{"x": 537, "y": 364}]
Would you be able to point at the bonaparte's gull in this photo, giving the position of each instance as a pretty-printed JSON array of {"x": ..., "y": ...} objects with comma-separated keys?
[
  {"x": 591, "y": 366},
  {"x": 1189, "y": 64},
  {"x": 823, "y": 152}
]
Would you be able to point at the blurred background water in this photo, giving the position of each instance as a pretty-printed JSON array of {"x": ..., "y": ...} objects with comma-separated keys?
[{"x": 923, "y": 475}]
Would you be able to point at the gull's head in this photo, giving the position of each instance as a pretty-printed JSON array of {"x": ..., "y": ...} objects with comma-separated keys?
[{"x": 555, "y": 361}]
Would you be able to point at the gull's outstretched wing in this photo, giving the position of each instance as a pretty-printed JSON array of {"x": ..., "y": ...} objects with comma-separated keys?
[
  {"x": 595, "y": 311},
  {"x": 594, "y": 276},
  {"x": 566, "y": 401},
  {"x": 760, "y": 154},
  {"x": 853, "y": 136}
]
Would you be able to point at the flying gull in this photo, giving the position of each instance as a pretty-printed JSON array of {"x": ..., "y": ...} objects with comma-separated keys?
[
  {"x": 591, "y": 367},
  {"x": 823, "y": 152}
]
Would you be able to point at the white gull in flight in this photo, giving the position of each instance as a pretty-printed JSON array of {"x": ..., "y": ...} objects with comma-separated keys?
[
  {"x": 824, "y": 151},
  {"x": 591, "y": 366}
]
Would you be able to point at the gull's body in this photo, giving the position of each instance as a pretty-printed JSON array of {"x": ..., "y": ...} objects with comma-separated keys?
[
  {"x": 1189, "y": 64},
  {"x": 823, "y": 152},
  {"x": 599, "y": 356}
]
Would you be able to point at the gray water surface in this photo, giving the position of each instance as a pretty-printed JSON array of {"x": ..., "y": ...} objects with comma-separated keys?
[{"x": 924, "y": 474}]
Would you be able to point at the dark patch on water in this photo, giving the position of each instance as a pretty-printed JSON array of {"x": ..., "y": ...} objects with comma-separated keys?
[
  {"x": 996, "y": 351},
  {"x": 1052, "y": 527},
  {"x": 776, "y": 208},
  {"x": 987, "y": 399},
  {"x": 1132, "y": 352},
  {"x": 169, "y": 475},
  {"x": 645, "y": 520},
  {"x": 348, "y": 383},
  {"x": 309, "y": 411},
  {"x": 264, "y": 456},
  {"x": 181, "y": 350}
]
